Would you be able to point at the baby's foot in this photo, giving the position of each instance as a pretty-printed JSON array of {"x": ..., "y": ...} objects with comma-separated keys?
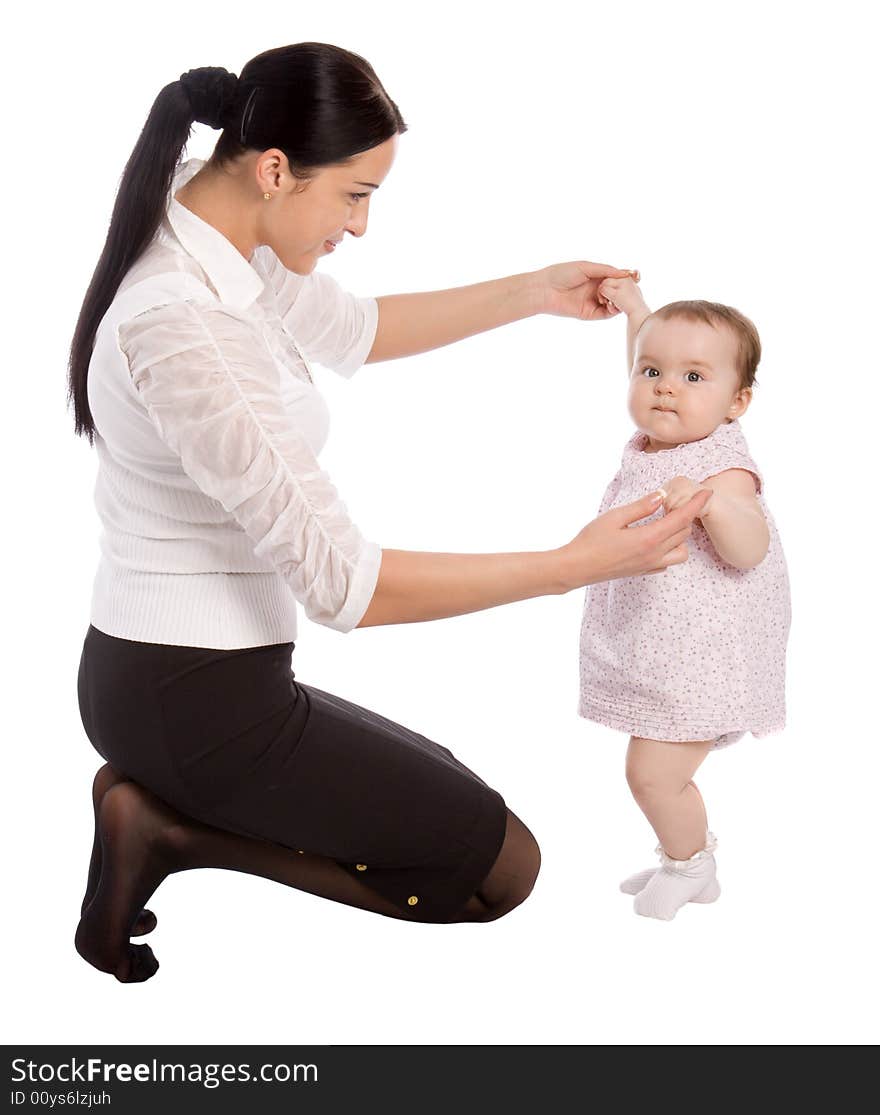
[
  {"x": 635, "y": 883},
  {"x": 137, "y": 834},
  {"x": 108, "y": 776},
  {"x": 676, "y": 883}
]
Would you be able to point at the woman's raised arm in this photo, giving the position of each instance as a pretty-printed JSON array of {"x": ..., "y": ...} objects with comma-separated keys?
[{"x": 413, "y": 323}]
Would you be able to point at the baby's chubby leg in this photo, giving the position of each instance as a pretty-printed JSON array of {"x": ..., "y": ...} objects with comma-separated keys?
[
  {"x": 659, "y": 775},
  {"x": 635, "y": 883}
]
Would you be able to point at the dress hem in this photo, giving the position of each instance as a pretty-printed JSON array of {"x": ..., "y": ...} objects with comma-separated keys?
[{"x": 722, "y": 732}]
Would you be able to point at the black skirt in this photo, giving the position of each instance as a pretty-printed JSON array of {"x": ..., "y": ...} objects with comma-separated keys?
[{"x": 231, "y": 738}]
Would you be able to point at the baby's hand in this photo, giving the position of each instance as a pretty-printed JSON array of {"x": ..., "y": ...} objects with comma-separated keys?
[
  {"x": 679, "y": 490},
  {"x": 622, "y": 293}
]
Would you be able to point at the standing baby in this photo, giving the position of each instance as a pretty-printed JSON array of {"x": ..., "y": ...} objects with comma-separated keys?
[{"x": 691, "y": 658}]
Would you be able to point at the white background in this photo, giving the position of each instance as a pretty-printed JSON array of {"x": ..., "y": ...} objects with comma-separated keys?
[{"x": 722, "y": 150}]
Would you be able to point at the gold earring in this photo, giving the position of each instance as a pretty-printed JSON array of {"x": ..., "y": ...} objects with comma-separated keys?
[{"x": 268, "y": 197}]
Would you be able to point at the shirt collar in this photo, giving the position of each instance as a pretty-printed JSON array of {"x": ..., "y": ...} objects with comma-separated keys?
[
  {"x": 235, "y": 280},
  {"x": 725, "y": 433}
]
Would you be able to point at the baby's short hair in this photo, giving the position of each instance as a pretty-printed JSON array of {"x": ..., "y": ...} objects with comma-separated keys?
[{"x": 748, "y": 343}]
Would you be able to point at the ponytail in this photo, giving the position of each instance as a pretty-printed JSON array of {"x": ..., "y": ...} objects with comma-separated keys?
[{"x": 318, "y": 103}]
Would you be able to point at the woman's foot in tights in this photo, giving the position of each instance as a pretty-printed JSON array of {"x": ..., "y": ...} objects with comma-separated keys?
[
  {"x": 108, "y": 776},
  {"x": 137, "y": 834}
]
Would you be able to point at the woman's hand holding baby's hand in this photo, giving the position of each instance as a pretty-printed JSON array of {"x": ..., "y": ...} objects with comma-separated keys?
[
  {"x": 571, "y": 289},
  {"x": 611, "y": 546},
  {"x": 679, "y": 490},
  {"x": 623, "y": 294}
]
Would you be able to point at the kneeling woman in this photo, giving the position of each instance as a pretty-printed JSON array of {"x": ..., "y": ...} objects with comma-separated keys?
[{"x": 190, "y": 374}]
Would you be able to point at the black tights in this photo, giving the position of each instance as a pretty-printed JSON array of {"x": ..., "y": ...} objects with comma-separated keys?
[{"x": 140, "y": 840}]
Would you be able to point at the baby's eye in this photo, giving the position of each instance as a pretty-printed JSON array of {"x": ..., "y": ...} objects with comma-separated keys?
[
  {"x": 697, "y": 374},
  {"x": 647, "y": 372}
]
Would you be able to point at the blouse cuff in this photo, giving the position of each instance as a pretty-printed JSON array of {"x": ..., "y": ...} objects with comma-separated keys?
[{"x": 363, "y": 585}]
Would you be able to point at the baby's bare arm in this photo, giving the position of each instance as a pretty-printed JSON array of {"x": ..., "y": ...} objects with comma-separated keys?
[
  {"x": 627, "y": 297},
  {"x": 633, "y": 325},
  {"x": 733, "y": 519}
]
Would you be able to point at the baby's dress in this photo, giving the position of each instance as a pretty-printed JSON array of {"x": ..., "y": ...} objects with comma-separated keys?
[{"x": 696, "y": 652}]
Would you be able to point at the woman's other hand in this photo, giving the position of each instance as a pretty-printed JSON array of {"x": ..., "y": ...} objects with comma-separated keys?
[
  {"x": 608, "y": 547},
  {"x": 572, "y": 289}
]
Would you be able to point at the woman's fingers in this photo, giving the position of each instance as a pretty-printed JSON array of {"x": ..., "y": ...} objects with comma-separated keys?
[
  {"x": 638, "y": 509},
  {"x": 669, "y": 524},
  {"x": 672, "y": 542},
  {"x": 668, "y": 534},
  {"x": 676, "y": 539},
  {"x": 606, "y": 271},
  {"x": 607, "y": 548},
  {"x": 675, "y": 556},
  {"x": 684, "y": 515}
]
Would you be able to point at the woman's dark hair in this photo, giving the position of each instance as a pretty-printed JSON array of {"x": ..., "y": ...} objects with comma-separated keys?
[{"x": 319, "y": 104}]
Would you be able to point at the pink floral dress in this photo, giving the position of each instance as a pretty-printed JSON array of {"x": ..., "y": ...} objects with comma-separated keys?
[{"x": 696, "y": 652}]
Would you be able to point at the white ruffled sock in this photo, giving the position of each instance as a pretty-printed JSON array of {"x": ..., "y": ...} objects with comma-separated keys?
[{"x": 679, "y": 881}]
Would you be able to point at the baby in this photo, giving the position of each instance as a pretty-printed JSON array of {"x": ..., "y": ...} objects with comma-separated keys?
[{"x": 691, "y": 658}]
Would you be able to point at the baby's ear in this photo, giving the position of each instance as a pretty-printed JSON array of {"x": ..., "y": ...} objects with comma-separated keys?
[{"x": 740, "y": 404}]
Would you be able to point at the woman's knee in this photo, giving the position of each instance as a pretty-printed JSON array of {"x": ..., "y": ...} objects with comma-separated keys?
[{"x": 514, "y": 873}]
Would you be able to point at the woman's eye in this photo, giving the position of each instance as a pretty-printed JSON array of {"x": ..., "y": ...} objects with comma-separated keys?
[{"x": 357, "y": 197}]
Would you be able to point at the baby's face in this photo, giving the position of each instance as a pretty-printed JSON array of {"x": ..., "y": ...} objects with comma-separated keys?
[{"x": 683, "y": 382}]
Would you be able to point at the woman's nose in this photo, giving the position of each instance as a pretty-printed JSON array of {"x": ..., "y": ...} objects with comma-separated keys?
[{"x": 357, "y": 226}]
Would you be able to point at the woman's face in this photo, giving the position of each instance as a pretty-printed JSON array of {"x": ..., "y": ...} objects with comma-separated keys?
[{"x": 303, "y": 216}]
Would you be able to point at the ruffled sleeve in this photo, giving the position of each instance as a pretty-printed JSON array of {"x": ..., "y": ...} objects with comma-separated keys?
[
  {"x": 213, "y": 393},
  {"x": 331, "y": 325},
  {"x": 725, "y": 448}
]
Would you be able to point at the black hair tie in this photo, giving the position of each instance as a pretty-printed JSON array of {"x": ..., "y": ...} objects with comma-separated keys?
[{"x": 212, "y": 93}]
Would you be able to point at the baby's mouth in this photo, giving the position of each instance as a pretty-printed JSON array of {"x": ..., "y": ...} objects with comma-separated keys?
[{"x": 664, "y": 410}]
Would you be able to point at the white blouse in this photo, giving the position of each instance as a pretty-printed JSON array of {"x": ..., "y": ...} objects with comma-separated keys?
[{"x": 216, "y": 514}]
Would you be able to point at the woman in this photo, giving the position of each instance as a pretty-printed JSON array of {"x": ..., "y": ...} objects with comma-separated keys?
[{"x": 190, "y": 373}]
